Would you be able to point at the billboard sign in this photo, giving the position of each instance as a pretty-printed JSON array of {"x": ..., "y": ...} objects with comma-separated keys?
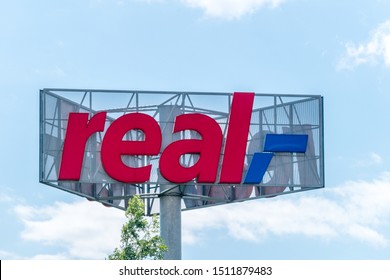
[{"x": 212, "y": 148}]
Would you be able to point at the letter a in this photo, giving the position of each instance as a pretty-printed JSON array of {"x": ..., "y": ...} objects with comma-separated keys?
[{"x": 208, "y": 148}]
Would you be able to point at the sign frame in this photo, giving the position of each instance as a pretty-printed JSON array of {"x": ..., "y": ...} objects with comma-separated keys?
[{"x": 279, "y": 114}]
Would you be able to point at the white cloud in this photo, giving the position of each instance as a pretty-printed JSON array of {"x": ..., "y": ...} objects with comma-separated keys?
[
  {"x": 376, "y": 50},
  {"x": 122, "y": 2},
  {"x": 5, "y": 198},
  {"x": 371, "y": 160},
  {"x": 354, "y": 210},
  {"x": 231, "y": 9},
  {"x": 85, "y": 230},
  {"x": 227, "y": 9},
  {"x": 152, "y": 1},
  {"x": 375, "y": 158},
  {"x": 7, "y": 255},
  {"x": 50, "y": 257}
]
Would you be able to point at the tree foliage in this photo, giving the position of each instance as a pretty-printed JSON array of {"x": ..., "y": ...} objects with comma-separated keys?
[{"x": 140, "y": 238}]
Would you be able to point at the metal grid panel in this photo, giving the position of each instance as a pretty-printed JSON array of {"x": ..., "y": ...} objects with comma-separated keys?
[{"x": 280, "y": 114}]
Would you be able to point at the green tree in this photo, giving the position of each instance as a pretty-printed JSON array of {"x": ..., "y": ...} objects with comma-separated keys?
[{"x": 140, "y": 238}]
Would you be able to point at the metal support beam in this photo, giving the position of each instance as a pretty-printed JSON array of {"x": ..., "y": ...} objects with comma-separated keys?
[{"x": 170, "y": 201}]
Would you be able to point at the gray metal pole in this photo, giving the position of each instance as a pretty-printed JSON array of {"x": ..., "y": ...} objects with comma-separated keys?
[
  {"x": 170, "y": 223},
  {"x": 170, "y": 201}
]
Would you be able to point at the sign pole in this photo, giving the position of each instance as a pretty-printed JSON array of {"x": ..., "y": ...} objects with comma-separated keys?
[
  {"x": 170, "y": 222},
  {"x": 170, "y": 200}
]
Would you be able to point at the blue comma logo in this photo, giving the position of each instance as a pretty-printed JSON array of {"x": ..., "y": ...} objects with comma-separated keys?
[{"x": 274, "y": 143}]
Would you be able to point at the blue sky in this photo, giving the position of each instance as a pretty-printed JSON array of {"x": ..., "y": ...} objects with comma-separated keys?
[{"x": 339, "y": 49}]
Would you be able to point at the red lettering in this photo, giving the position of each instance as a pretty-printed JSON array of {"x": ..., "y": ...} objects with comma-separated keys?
[
  {"x": 113, "y": 147},
  {"x": 237, "y": 137},
  {"x": 78, "y": 131},
  {"x": 208, "y": 148}
]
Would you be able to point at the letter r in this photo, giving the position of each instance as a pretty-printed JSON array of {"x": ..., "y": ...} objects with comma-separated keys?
[{"x": 77, "y": 134}]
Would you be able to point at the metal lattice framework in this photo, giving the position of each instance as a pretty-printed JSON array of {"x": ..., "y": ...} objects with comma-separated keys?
[{"x": 272, "y": 113}]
